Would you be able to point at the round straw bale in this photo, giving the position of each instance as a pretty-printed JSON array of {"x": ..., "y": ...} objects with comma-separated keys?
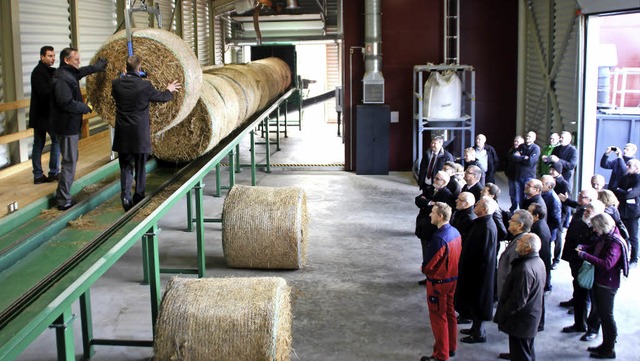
[
  {"x": 230, "y": 99},
  {"x": 265, "y": 227},
  {"x": 165, "y": 58},
  {"x": 250, "y": 90},
  {"x": 260, "y": 80},
  {"x": 224, "y": 319},
  {"x": 281, "y": 68},
  {"x": 270, "y": 77},
  {"x": 197, "y": 134}
]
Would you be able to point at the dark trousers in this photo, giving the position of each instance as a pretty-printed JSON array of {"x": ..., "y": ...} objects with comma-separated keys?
[
  {"x": 602, "y": 314},
  {"x": 443, "y": 318},
  {"x": 556, "y": 238},
  {"x": 130, "y": 162},
  {"x": 521, "y": 349},
  {"x": 632, "y": 227},
  {"x": 514, "y": 195},
  {"x": 541, "y": 324},
  {"x": 69, "y": 155},
  {"x": 39, "y": 138},
  {"x": 477, "y": 328},
  {"x": 581, "y": 297}
]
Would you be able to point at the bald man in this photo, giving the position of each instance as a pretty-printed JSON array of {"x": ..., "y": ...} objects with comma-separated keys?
[{"x": 487, "y": 156}]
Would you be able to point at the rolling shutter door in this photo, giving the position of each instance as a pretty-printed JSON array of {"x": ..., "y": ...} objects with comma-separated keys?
[
  {"x": 96, "y": 22},
  {"x": 536, "y": 107},
  {"x": 188, "y": 24},
  {"x": 218, "y": 43},
  {"x": 565, "y": 59},
  {"x": 203, "y": 33},
  {"x": 551, "y": 82}
]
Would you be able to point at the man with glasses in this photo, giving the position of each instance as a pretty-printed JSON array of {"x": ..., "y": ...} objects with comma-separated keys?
[
  {"x": 472, "y": 176},
  {"x": 432, "y": 161},
  {"x": 567, "y": 155},
  {"x": 545, "y": 153}
]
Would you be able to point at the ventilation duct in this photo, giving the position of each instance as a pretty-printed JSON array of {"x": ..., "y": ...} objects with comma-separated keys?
[
  {"x": 373, "y": 81},
  {"x": 292, "y": 4}
]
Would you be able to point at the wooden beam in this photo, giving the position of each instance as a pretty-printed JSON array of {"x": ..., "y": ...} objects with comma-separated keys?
[{"x": 6, "y": 139}]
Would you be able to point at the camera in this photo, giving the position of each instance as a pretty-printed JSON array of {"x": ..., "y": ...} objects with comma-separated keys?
[{"x": 614, "y": 149}]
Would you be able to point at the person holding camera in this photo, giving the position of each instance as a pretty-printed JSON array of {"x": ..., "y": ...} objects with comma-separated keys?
[{"x": 618, "y": 165}]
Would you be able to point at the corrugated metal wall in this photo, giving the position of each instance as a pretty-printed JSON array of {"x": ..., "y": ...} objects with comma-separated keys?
[
  {"x": 203, "y": 27},
  {"x": 565, "y": 58},
  {"x": 42, "y": 22},
  {"x": 96, "y": 22}
]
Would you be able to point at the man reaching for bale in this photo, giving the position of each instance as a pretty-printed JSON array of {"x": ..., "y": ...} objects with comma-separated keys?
[{"x": 132, "y": 139}]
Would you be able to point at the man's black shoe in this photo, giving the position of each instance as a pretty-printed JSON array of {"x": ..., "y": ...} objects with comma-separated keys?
[
  {"x": 422, "y": 282},
  {"x": 41, "y": 179},
  {"x": 465, "y": 331},
  {"x": 463, "y": 321},
  {"x": 567, "y": 304},
  {"x": 429, "y": 358},
  {"x": 452, "y": 353},
  {"x": 555, "y": 264},
  {"x": 53, "y": 177},
  {"x": 505, "y": 356},
  {"x": 126, "y": 204},
  {"x": 571, "y": 311},
  {"x": 474, "y": 339},
  {"x": 603, "y": 355},
  {"x": 595, "y": 348},
  {"x": 588, "y": 336},
  {"x": 573, "y": 328},
  {"x": 64, "y": 207}
]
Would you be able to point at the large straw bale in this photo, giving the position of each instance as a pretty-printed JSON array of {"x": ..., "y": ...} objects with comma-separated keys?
[
  {"x": 165, "y": 57},
  {"x": 197, "y": 134},
  {"x": 224, "y": 319},
  {"x": 231, "y": 102},
  {"x": 264, "y": 227},
  {"x": 279, "y": 67},
  {"x": 260, "y": 80},
  {"x": 249, "y": 87}
]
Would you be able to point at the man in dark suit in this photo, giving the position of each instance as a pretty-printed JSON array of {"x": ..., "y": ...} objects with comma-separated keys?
[
  {"x": 618, "y": 165},
  {"x": 487, "y": 157},
  {"x": 565, "y": 154},
  {"x": 132, "y": 139},
  {"x": 432, "y": 161},
  {"x": 628, "y": 193},
  {"x": 541, "y": 229},
  {"x": 472, "y": 176},
  {"x": 65, "y": 114},
  {"x": 526, "y": 159},
  {"x": 39, "y": 117},
  {"x": 532, "y": 193},
  {"x": 477, "y": 267}
]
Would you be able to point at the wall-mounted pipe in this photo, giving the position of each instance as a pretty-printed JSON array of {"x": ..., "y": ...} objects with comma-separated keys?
[{"x": 373, "y": 81}]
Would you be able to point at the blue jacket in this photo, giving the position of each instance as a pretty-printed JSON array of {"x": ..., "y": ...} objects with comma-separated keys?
[
  {"x": 443, "y": 255},
  {"x": 554, "y": 209}
]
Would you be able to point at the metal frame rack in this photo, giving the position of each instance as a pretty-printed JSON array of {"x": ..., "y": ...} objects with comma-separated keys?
[{"x": 448, "y": 127}]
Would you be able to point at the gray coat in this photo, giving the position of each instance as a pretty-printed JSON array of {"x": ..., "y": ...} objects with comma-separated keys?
[{"x": 520, "y": 305}]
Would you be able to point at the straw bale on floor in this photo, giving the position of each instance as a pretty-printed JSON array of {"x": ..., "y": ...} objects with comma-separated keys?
[
  {"x": 165, "y": 58},
  {"x": 224, "y": 319},
  {"x": 265, "y": 227}
]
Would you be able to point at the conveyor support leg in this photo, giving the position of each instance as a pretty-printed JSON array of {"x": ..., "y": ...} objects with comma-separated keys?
[
  {"x": 64, "y": 336},
  {"x": 87, "y": 325},
  {"x": 200, "y": 227},
  {"x": 151, "y": 239}
]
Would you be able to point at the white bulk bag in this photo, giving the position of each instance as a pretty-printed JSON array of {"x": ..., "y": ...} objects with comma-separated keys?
[{"x": 443, "y": 96}]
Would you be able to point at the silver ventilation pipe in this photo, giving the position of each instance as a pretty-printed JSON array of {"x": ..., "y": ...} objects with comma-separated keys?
[
  {"x": 292, "y": 4},
  {"x": 373, "y": 81}
]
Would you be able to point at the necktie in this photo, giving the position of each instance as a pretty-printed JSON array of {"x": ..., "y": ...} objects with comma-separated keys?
[{"x": 432, "y": 162}]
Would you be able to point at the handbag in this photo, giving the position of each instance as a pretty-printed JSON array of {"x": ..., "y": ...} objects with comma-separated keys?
[{"x": 586, "y": 275}]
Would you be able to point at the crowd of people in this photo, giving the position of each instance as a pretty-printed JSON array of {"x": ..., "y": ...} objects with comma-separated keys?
[
  {"x": 461, "y": 229},
  {"x": 57, "y": 107}
]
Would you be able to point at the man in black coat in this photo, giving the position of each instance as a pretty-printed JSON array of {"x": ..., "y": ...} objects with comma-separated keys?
[
  {"x": 67, "y": 108},
  {"x": 511, "y": 171},
  {"x": 541, "y": 229},
  {"x": 618, "y": 165},
  {"x": 562, "y": 190},
  {"x": 132, "y": 139},
  {"x": 554, "y": 215},
  {"x": 567, "y": 155},
  {"x": 472, "y": 176},
  {"x": 526, "y": 159},
  {"x": 487, "y": 157},
  {"x": 628, "y": 193},
  {"x": 39, "y": 117},
  {"x": 533, "y": 194},
  {"x": 477, "y": 267},
  {"x": 520, "y": 304},
  {"x": 432, "y": 161},
  {"x": 463, "y": 217}
]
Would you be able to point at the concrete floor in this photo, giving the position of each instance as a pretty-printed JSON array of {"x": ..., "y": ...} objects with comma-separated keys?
[{"x": 358, "y": 298}]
